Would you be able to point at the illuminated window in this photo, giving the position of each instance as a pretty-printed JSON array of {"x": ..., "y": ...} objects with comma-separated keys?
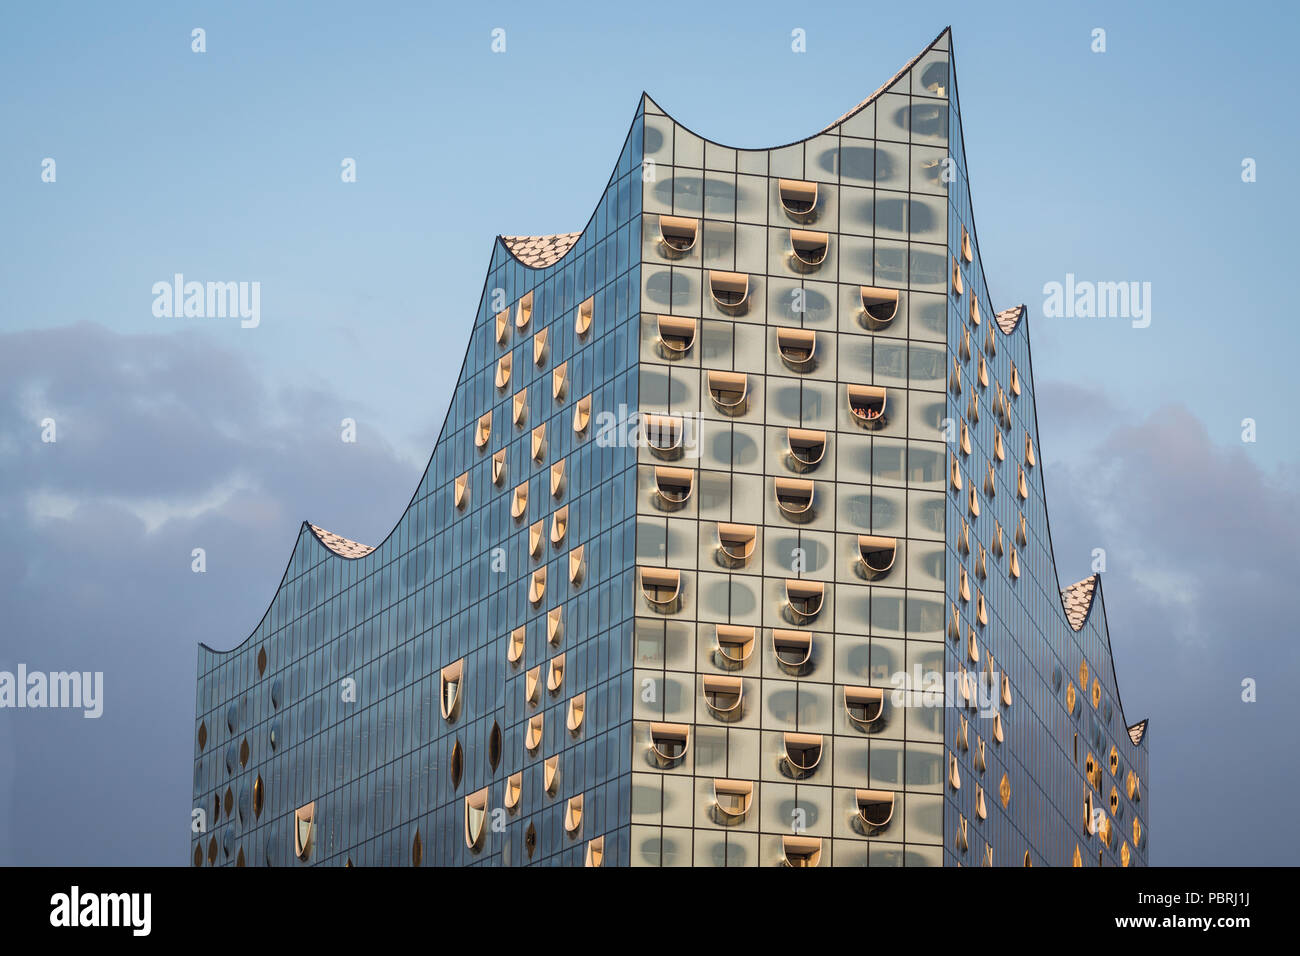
[
  {"x": 533, "y": 735},
  {"x": 735, "y": 644},
  {"x": 1114, "y": 761},
  {"x": 876, "y": 554},
  {"x": 524, "y": 311},
  {"x": 582, "y": 414},
  {"x": 804, "y": 598},
  {"x": 475, "y": 818},
  {"x": 663, "y": 435},
  {"x": 573, "y": 815},
  {"x": 808, "y": 248},
  {"x": 1004, "y": 790},
  {"x": 576, "y": 713},
  {"x": 662, "y": 588},
  {"x": 515, "y": 645},
  {"x": 304, "y": 833},
  {"x": 555, "y": 674},
  {"x": 669, "y": 743},
  {"x": 803, "y": 752},
  {"x": 586, "y": 314},
  {"x": 724, "y": 695},
  {"x": 867, "y": 404},
  {"x": 450, "y": 688},
  {"x": 798, "y": 348},
  {"x": 673, "y": 486},
  {"x": 729, "y": 391},
  {"x": 730, "y": 290},
  {"x": 875, "y": 808},
  {"x": 795, "y": 496},
  {"x": 733, "y": 798},
  {"x": 678, "y": 234},
  {"x": 801, "y": 851},
  {"x": 676, "y": 336},
  {"x": 798, "y": 198}
]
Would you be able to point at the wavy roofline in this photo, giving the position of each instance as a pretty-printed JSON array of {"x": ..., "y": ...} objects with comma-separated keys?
[
  {"x": 1098, "y": 601},
  {"x": 469, "y": 343},
  {"x": 946, "y": 31}
]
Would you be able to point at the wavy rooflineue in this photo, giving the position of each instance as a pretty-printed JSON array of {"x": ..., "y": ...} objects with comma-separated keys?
[
  {"x": 1009, "y": 328},
  {"x": 498, "y": 244}
]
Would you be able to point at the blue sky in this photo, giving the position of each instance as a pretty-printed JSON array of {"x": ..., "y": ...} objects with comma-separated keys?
[{"x": 178, "y": 433}]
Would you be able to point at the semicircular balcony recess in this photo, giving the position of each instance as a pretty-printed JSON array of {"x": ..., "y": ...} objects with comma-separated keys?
[
  {"x": 724, "y": 696},
  {"x": 450, "y": 683},
  {"x": 663, "y": 435},
  {"x": 798, "y": 348},
  {"x": 673, "y": 486},
  {"x": 804, "y": 598},
  {"x": 796, "y": 498},
  {"x": 793, "y": 649},
  {"x": 729, "y": 391},
  {"x": 876, "y": 555},
  {"x": 867, "y": 403},
  {"x": 800, "y": 851},
  {"x": 678, "y": 235},
  {"x": 524, "y": 311},
  {"x": 662, "y": 589},
  {"x": 736, "y": 543},
  {"x": 676, "y": 336},
  {"x": 808, "y": 249},
  {"x": 806, "y": 448},
  {"x": 729, "y": 290},
  {"x": 875, "y": 808},
  {"x": 864, "y": 705},
  {"x": 735, "y": 645},
  {"x": 879, "y": 306},
  {"x": 798, "y": 199},
  {"x": 803, "y": 752},
  {"x": 475, "y": 818},
  {"x": 669, "y": 743},
  {"x": 733, "y": 798}
]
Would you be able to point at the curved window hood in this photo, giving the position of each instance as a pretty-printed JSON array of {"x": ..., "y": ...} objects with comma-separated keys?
[
  {"x": 729, "y": 391},
  {"x": 867, "y": 405},
  {"x": 864, "y": 705},
  {"x": 879, "y": 306},
  {"x": 798, "y": 199},
  {"x": 806, "y": 448},
  {"x": 793, "y": 649},
  {"x": 669, "y": 743},
  {"x": 678, "y": 235},
  {"x": 803, "y": 752},
  {"x": 875, "y": 808},
  {"x": 876, "y": 555},
  {"x": 801, "y": 851},
  {"x": 663, "y": 435},
  {"x": 676, "y": 336},
  {"x": 798, "y": 348},
  {"x": 673, "y": 486},
  {"x": 736, "y": 543},
  {"x": 662, "y": 588},
  {"x": 729, "y": 291},
  {"x": 735, "y": 644}
]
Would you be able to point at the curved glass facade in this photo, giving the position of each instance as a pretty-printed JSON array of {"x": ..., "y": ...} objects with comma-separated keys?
[{"x": 689, "y": 579}]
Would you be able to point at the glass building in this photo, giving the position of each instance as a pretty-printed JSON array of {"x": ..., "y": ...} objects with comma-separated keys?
[{"x": 733, "y": 551}]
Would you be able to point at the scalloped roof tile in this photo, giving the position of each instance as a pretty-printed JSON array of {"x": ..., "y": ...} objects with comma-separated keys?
[
  {"x": 1008, "y": 319},
  {"x": 1077, "y": 601},
  {"x": 538, "y": 252},
  {"x": 343, "y": 547},
  {"x": 1137, "y": 732}
]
